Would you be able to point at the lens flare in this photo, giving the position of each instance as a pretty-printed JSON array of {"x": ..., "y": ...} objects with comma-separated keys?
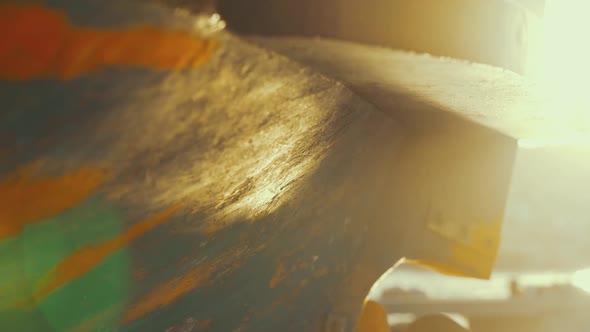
[
  {"x": 563, "y": 61},
  {"x": 581, "y": 279}
]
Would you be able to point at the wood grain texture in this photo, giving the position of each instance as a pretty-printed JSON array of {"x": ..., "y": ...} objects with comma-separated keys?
[{"x": 296, "y": 192}]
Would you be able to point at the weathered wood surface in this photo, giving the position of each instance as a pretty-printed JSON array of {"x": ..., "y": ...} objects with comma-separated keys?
[
  {"x": 546, "y": 189},
  {"x": 495, "y": 98},
  {"x": 154, "y": 179}
]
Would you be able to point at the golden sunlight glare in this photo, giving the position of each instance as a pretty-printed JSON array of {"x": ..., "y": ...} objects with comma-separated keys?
[
  {"x": 563, "y": 70},
  {"x": 581, "y": 280}
]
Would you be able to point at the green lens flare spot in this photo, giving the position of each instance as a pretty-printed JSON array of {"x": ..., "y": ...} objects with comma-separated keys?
[{"x": 92, "y": 296}]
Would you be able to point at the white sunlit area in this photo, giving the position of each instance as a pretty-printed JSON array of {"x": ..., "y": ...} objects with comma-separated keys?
[
  {"x": 510, "y": 301},
  {"x": 541, "y": 281},
  {"x": 560, "y": 65}
]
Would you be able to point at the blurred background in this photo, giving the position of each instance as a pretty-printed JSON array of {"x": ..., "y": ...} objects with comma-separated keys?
[{"x": 542, "y": 277}]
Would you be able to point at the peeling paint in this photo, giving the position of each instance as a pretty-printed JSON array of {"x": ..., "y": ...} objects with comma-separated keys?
[
  {"x": 289, "y": 297},
  {"x": 98, "y": 320},
  {"x": 26, "y": 198},
  {"x": 202, "y": 325},
  {"x": 170, "y": 291},
  {"x": 200, "y": 276},
  {"x": 36, "y": 41},
  {"x": 321, "y": 273},
  {"x": 86, "y": 258},
  {"x": 278, "y": 276}
]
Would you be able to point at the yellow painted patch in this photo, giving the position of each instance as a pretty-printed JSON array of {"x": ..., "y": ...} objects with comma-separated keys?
[
  {"x": 36, "y": 41},
  {"x": 88, "y": 257},
  {"x": 480, "y": 254},
  {"x": 473, "y": 256},
  {"x": 26, "y": 198}
]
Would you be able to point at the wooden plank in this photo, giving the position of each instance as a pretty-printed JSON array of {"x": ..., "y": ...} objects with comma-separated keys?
[
  {"x": 482, "y": 94},
  {"x": 218, "y": 188}
]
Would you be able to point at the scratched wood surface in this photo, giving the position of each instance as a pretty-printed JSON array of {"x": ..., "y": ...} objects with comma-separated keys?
[
  {"x": 154, "y": 177},
  {"x": 493, "y": 97}
]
